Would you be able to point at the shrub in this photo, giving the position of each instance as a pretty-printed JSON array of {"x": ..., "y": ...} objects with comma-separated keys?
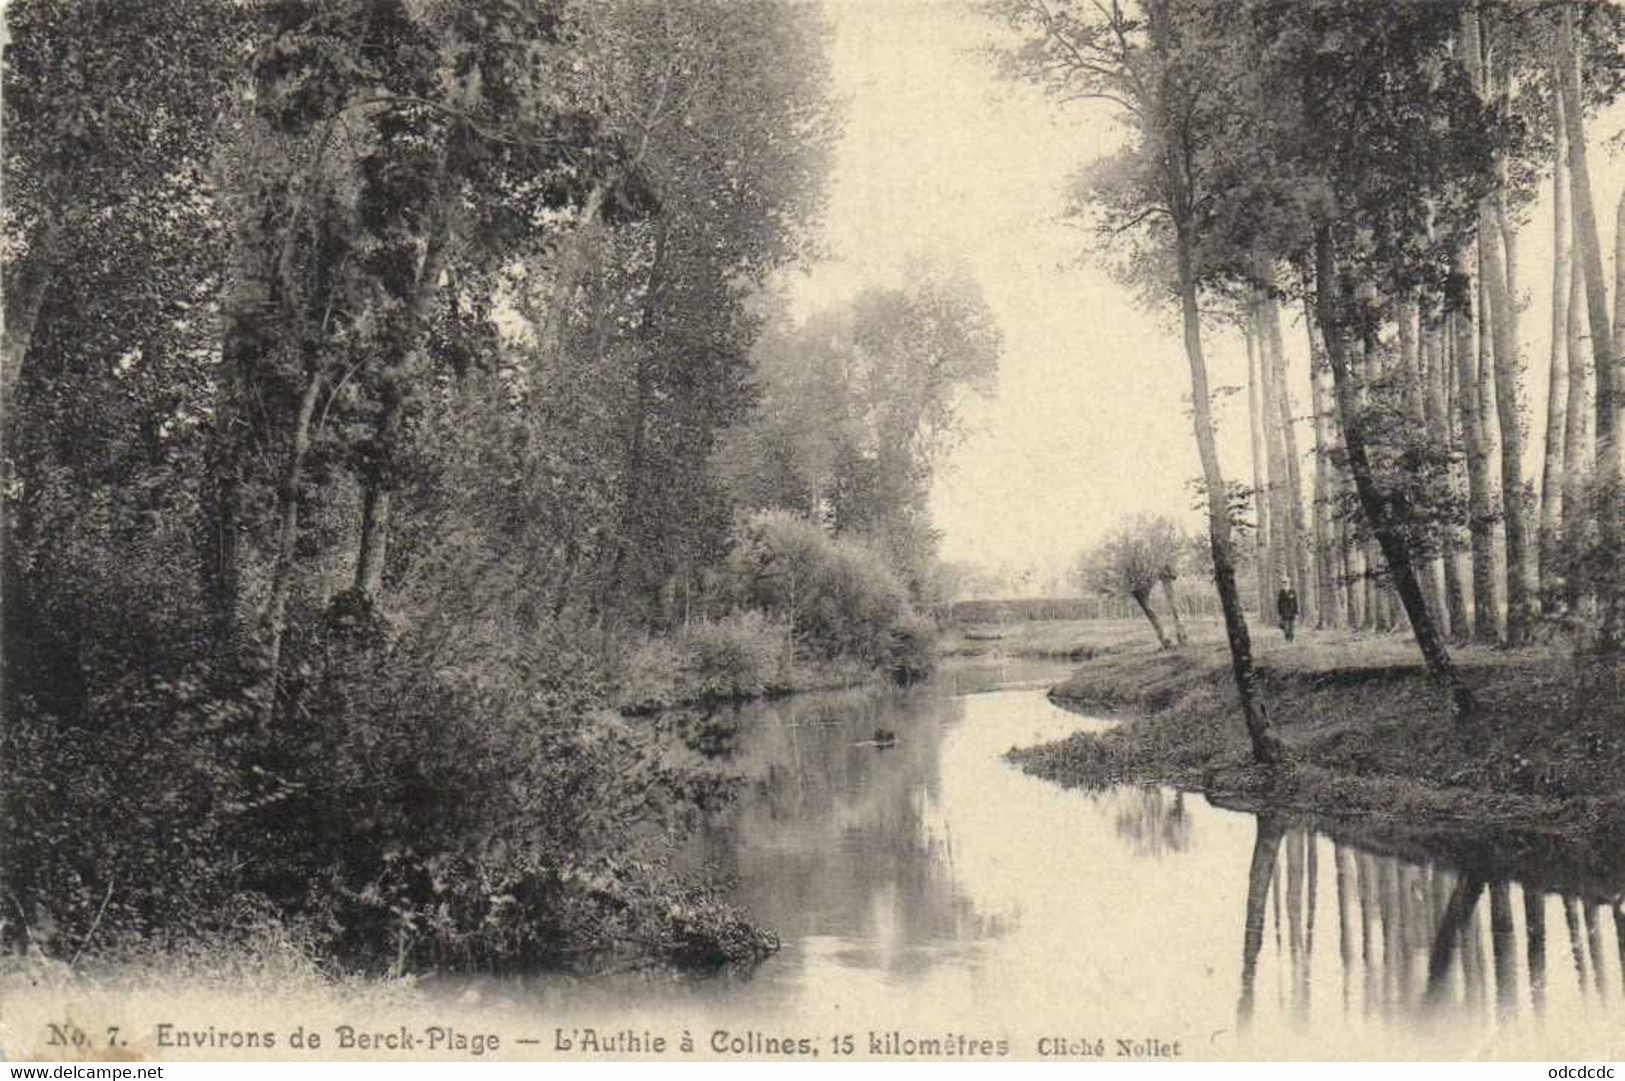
[
  {"x": 737, "y": 657},
  {"x": 840, "y": 597},
  {"x": 452, "y": 786},
  {"x": 121, "y": 823},
  {"x": 650, "y": 677},
  {"x": 912, "y": 654}
]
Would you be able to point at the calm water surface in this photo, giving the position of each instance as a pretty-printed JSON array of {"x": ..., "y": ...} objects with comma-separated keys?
[{"x": 932, "y": 888}]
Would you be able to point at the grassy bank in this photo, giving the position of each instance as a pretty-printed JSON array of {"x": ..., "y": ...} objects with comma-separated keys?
[{"x": 1367, "y": 737}]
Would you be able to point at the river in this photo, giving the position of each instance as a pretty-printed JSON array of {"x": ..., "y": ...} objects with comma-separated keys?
[{"x": 931, "y": 890}]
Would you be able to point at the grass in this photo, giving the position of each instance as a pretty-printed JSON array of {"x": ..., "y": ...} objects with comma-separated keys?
[{"x": 1367, "y": 737}]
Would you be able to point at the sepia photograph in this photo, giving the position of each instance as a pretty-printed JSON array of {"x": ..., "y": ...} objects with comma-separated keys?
[{"x": 812, "y": 531}]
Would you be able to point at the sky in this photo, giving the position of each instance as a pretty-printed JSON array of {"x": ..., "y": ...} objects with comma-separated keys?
[{"x": 1090, "y": 422}]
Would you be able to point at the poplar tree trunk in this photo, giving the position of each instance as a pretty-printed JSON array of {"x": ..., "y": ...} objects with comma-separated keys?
[
  {"x": 1437, "y": 415},
  {"x": 1266, "y": 748},
  {"x": 1490, "y": 426},
  {"x": 1521, "y": 583},
  {"x": 1553, "y": 472},
  {"x": 1390, "y": 534},
  {"x": 1605, "y": 359},
  {"x": 1480, "y": 503},
  {"x": 1412, "y": 338},
  {"x": 1576, "y": 445},
  {"x": 1282, "y": 541},
  {"x": 1330, "y": 608},
  {"x": 1262, "y": 553},
  {"x": 1296, "y": 567},
  {"x": 1374, "y": 608}
]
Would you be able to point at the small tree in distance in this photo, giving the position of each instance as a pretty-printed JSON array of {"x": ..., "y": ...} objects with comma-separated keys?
[{"x": 1142, "y": 553}]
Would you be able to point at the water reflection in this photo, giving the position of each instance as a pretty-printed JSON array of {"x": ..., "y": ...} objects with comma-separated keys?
[
  {"x": 1419, "y": 940},
  {"x": 1156, "y": 823},
  {"x": 934, "y": 883}
]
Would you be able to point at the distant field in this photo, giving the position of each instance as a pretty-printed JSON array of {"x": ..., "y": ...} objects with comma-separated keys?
[{"x": 1072, "y": 638}]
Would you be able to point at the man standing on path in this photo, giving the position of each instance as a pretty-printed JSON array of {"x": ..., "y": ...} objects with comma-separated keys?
[{"x": 1286, "y": 606}]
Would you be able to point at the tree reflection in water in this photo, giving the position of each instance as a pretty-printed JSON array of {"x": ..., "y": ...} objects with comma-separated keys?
[
  {"x": 1415, "y": 938},
  {"x": 1155, "y": 822}
]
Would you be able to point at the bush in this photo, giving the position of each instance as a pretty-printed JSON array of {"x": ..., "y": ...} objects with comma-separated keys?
[
  {"x": 738, "y": 657},
  {"x": 841, "y": 597},
  {"x": 650, "y": 677},
  {"x": 121, "y": 823},
  {"x": 452, "y": 788},
  {"x": 912, "y": 654}
]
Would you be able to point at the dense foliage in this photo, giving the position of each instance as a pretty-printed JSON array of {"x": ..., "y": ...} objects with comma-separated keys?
[{"x": 364, "y": 367}]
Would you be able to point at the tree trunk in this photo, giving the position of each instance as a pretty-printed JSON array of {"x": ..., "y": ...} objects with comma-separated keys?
[
  {"x": 1289, "y": 439},
  {"x": 1480, "y": 509},
  {"x": 1374, "y": 605},
  {"x": 24, "y": 297},
  {"x": 1557, "y": 380},
  {"x": 1414, "y": 341},
  {"x": 369, "y": 566},
  {"x": 276, "y": 617},
  {"x": 1354, "y": 571},
  {"x": 1330, "y": 609},
  {"x": 1612, "y": 592},
  {"x": 1281, "y": 539},
  {"x": 1458, "y": 564},
  {"x": 637, "y": 443},
  {"x": 1262, "y": 550},
  {"x": 1521, "y": 583},
  {"x": 373, "y": 546},
  {"x": 1576, "y": 447},
  {"x": 1605, "y": 360},
  {"x": 1173, "y": 607},
  {"x": 1489, "y": 425},
  {"x": 1142, "y": 598},
  {"x": 1266, "y": 747},
  {"x": 1390, "y": 535},
  {"x": 1436, "y": 417}
]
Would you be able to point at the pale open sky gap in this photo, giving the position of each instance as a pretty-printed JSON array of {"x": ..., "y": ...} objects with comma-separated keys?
[{"x": 1090, "y": 422}]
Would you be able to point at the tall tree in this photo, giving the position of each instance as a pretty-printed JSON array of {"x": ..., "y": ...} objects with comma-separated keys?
[
  {"x": 1497, "y": 254},
  {"x": 737, "y": 202},
  {"x": 1481, "y": 513},
  {"x": 1553, "y": 469},
  {"x": 1263, "y": 544},
  {"x": 1375, "y": 85},
  {"x": 1283, "y": 422},
  {"x": 1175, "y": 102},
  {"x": 1330, "y": 607},
  {"x": 1604, "y": 348}
]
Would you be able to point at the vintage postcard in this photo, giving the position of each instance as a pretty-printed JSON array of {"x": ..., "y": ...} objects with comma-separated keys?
[{"x": 813, "y": 530}]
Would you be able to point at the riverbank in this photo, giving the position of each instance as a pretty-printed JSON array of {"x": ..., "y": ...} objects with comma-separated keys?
[{"x": 1366, "y": 737}]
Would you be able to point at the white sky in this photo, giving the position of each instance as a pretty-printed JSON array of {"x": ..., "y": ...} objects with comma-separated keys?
[{"x": 1090, "y": 422}]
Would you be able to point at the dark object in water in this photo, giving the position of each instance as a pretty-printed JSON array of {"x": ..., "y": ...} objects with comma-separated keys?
[{"x": 884, "y": 737}]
